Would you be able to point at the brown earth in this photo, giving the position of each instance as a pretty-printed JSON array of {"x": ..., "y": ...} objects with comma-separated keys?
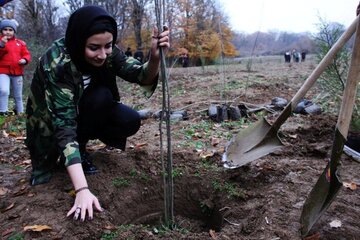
[{"x": 261, "y": 200}]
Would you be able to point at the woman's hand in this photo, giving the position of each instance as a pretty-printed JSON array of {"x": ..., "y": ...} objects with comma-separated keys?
[
  {"x": 159, "y": 40},
  {"x": 84, "y": 201},
  {"x": 83, "y": 205}
]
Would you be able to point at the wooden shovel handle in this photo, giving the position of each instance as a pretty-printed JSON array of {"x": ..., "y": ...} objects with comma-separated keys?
[
  {"x": 324, "y": 63},
  {"x": 349, "y": 95}
]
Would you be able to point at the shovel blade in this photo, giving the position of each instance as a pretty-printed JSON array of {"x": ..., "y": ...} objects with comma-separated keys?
[
  {"x": 250, "y": 144},
  {"x": 325, "y": 189},
  {"x": 318, "y": 200}
]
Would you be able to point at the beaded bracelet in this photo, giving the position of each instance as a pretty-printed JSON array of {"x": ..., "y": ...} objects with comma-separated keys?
[{"x": 80, "y": 189}]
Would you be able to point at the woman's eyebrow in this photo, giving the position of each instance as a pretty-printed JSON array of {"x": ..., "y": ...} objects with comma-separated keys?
[{"x": 96, "y": 44}]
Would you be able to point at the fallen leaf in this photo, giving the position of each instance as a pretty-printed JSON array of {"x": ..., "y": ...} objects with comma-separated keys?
[
  {"x": 215, "y": 141},
  {"x": 8, "y": 207},
  {"x": 23, "y": 180},
  {"x": 294, "y": 136},
  {"x": 205, "y": 155},
  {"x": 21, "y": 192},
  {"x": 3, "y": 191},
  {"x": 72, "y": 193},
  {"x": 26, "y": 162},
  {"x": 13, "y": 216},
  {"x": 335, "y": 224},
  {"x": 140, "y": 145},
  {"x": 37, "y": 228},
  {"x": 4, "y": 133},
  {"x": 110, "y": 227},
  {"x": 212, "y": 234},
  {"x": 221, "y": 150},
  {"x": 12, "y": 134},
  {"x": 7, "y": 232},
  {"x": 96, "y": 147},
  {"x": 351, "y": 185}
]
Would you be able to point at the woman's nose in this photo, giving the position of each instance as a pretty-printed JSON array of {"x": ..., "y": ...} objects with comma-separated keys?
[{"x": 102, "y": 54}]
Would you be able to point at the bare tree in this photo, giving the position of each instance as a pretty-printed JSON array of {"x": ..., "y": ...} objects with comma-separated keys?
[
  {"x": 138, "y": 14},
  {"x": 74, "y": 4}
]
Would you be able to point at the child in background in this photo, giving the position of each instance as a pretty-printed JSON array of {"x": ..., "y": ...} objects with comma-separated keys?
[{"x": 14, "y": 55}]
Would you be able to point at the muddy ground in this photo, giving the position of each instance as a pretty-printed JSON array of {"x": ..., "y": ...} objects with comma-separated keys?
[{"x": 261, "y": 200}]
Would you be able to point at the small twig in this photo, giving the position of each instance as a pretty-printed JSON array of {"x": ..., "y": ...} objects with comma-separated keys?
[{"x": 232, "y": 223}]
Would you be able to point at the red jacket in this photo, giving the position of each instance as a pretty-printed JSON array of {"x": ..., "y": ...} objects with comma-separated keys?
[{"x": 14, "y": 50}]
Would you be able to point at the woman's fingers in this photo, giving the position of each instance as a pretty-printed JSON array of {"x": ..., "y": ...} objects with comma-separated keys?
[
  {"x": 164, "y": 41},
  {"x": 79, "y": 213},
  {"x": 97, "y": 205},
  {"x": 83, "y": 213}
]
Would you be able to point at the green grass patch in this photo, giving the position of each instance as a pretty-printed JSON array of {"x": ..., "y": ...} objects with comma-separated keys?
[
  {"x": 121, "y": 182},
  {"x": 229, "y": 188}
]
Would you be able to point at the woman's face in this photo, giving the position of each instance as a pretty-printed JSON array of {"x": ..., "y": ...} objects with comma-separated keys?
[{"x": 97, "y": 48}]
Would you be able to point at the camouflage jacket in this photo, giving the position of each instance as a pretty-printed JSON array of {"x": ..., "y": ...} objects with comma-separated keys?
[{"x": 56, "y": 88}]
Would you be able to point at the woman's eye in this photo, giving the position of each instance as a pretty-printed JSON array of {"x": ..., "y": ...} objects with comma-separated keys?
[{"x": 93, "y": 48}]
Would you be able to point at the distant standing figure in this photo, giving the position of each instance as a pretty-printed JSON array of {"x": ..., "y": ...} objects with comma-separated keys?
[
  {"x": 296, "y": 55},
  {"x": 287, "y": 56},
  {"x": 303, "y": 56},
  {"x": 128, "y": 52},
  {"x": 139, "y": 55},
  {"x": 185, "y": 60},
  {"x": 14, "y": 55}
]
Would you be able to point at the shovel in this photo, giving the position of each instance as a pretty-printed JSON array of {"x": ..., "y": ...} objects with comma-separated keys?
[
  {"x": 328, "y": 185},
  {"x": 262, "y": 138}
]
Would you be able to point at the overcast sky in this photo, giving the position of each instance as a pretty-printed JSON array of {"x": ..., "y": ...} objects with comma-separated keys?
[{"x": 287, "y": 15}]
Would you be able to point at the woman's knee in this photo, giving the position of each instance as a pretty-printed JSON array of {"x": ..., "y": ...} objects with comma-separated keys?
[
  {"x": 129, "y": 119},
  {"x": 135, "y": 123}
]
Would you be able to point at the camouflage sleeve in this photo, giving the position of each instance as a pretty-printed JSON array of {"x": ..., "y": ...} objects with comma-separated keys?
[
  {"x": 131, "y": 70},
  {"x": 59, "y": 95}
]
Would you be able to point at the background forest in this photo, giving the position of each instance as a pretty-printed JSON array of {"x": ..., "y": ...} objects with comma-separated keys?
[{"x": 199, "y": 28}]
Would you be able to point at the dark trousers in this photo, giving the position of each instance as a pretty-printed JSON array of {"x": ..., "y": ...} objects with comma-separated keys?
[{"x": 100, "y": 117}]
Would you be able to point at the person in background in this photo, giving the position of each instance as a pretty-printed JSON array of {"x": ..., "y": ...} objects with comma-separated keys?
[
  {"x": 139, "y": 55},
  {"x": 185, "y": 60},
  {"x": 74, "y": 98},
  {"x": 128, "y": 52},
  {"x": 287, "y": 57},
  {"x": 14, "y": 55},
  {"x": 303, "y": 55}
]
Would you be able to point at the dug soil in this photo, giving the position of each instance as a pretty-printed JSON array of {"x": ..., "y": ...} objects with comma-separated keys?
[{"x": 261, "y": 200}]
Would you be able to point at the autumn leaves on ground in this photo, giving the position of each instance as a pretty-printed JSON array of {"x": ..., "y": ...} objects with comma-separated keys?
[{"x": 261, "y": 200}]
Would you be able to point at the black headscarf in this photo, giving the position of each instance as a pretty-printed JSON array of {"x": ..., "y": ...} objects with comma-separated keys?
[{"x": 83, "y": 23}]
